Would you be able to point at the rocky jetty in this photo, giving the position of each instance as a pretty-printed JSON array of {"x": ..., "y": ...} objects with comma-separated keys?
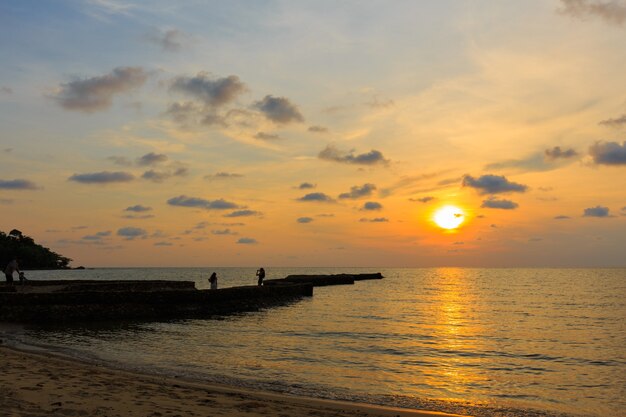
[
  {"x": 68, "y": 301},
  {"x": 324, "y": 280},
  {"x": 89, "y": 300}
]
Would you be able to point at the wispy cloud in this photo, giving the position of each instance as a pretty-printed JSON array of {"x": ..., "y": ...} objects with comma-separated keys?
[
  {"x": 318, "y": 129},
  {"x": 18, "y": 184},
  {"x": 184, "y": 201},
  {"x": 138, "y": 208},
  {"x": 222, "y": 176},
  {"x": 138, "y": 216},
  {"x": 608, "y": 153},
  {"x": 598, "y": 211},
  {"x": 355, "y": 192},
  {"x": 211, "y": 91},
  {"x": 97, "y": 235},
  {"x": 306, "y": 186},
  {"x": 131, "y": 232},
  {"x": 151, "y": 159},
  {"x": 160, "y": 176},
  {"x": 93, "y": 94},
  {"x": 562, "y": 217},
  {"x": 423, "y": 199},
  {"x": 242, "y": 213},
  {"x": 374, "y": 220},
  {"x": 279, "y": 110},
  {"x": 611, "y": 11},
  {"x": 558, "y": 153},
  {"x": 499, "y": 204},
  {"x": 169, "y": 40},
  {"x": 223, "y": 232},
  {"x": 373, "y": 157},
  {"x": 615, "y": 122},
  {"x": 321, "y": 197},
  {"x": 247, "y": 241},
  {"x": 266, "y": 136},
  {"x": 493, "y": 184},
  {"x": 104, "y": 177},
  {"x": 371, "y": 206},
  {"x": 120, "y": 160},
  {"x": 304, "y": 219}
]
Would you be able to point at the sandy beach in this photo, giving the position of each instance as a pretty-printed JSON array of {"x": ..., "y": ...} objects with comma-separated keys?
[{"x": 40, "y": 384}]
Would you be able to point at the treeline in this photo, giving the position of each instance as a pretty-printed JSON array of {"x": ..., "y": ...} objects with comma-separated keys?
[{"x": 29, "y": 254}]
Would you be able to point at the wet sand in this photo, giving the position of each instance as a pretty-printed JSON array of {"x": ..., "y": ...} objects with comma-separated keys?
[{"x": 40, "y": 384}]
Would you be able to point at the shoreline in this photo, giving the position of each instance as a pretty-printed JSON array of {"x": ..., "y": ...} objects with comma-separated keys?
[{"x": 42, "y": 384}]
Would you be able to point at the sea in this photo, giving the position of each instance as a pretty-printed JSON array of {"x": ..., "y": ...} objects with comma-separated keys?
[{"x": 475, "y": 341}]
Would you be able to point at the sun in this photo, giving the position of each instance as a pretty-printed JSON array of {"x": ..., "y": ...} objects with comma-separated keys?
[{"x": 449, "y": 217}]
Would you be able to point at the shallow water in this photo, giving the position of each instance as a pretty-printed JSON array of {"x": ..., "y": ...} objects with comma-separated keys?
[{"x": 514, "y": 342}]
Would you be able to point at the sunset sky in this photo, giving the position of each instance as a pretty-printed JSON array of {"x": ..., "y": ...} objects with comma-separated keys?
[{"x": 319, "y": 133}]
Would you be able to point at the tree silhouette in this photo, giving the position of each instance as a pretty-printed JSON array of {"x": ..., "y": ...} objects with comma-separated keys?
[{"x": 30, "y": 254}]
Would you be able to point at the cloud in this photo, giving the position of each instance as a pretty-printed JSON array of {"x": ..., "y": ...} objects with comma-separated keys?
[
  {"x": 562, "y": 217},
  {"x": 411, "y": 181},
  {"x": 151, "y": 159},
  {"x": 597, "y": 211},
  {"x": 223, "y": 232},
  {"x": 214, "y": 92},
  {"x": 247, "y": 241},
  {"x": 170, "y": 40},
  {"x": 373, "y": 157},
  {"x": 380, "y": 104},
  {"x": 358, "y": 192},
  {"x": 6, "y": 201},
  {"x": 163, "y": 244},
  {"x": 266, "y": 136},
  {"x": 422, "y": 199},
  {"x": 499, "y": 204},
  {"x": 316, "y": 197},
  {"x": 372, "y": 205},
  {"x": 612, "y": 12},
  {"x": 17, "y": 184},
  {"x": 93, "y": 94},
  {"x": 306, "y": 186},
  {"x": 184, "y": 201},
  {"x": 97, "y": 236},
  {"x": 318, "y": 129},
  {"x": 138, "y": 208},
  {"x": 493, "y": 184},
  {"x": 558, "y": 153},
  {"x": 6, "y": 90},
  {"x": 616, "y": 122},
  {"x": 222, "y": 176},
  {"x": 160, "y": 176},
  {"x": 120, "y": 160},
  {"x": 131, "y": 232},
  {"x": 189, "y": 111},
  {"x": 548, "y": 160},
  {"x": 104, "y": 177},
  {"x": 138, "y": 216},
  {"x": 374, "y": 220},
  {"x": 304, "y": 219},
  {"x": 608, "y": 153},
  {"x": 279, "y": 110},
  {"x": 242, "y": 213}
]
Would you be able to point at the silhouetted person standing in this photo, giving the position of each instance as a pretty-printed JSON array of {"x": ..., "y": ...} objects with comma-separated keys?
[
  {"x": 11, "y": 267},
  {"x": 261, "y": 274},
  {"x": 213, "y": 281}
]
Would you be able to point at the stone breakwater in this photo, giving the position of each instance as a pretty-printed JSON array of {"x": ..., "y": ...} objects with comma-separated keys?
[
  {"x": 324, "y": 280},
  {"x": 84, "y": 300},
  {"x": 91, "y": 301}
]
